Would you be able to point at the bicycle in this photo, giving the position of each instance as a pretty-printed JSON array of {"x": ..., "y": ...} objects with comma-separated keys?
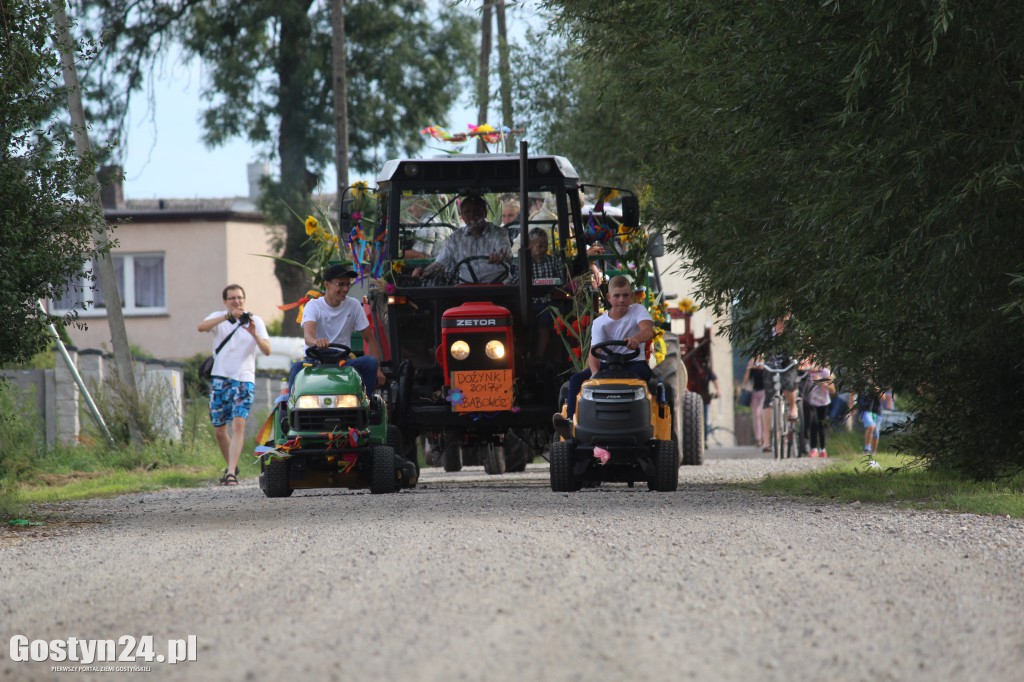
[
  {"x": 716, "y": 436},
  {"x": 786, "y": 432}
]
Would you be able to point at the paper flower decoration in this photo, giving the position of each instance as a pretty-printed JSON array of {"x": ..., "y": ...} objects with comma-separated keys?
[{"x": 456, "y": 397}]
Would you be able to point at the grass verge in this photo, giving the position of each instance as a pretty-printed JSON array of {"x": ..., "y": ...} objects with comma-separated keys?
[
  {"x": 901, "y": 481},
  {"x": 115, "y": 482}
]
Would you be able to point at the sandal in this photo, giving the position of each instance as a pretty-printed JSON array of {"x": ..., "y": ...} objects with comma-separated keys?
[{"x": 229, "y": 479}]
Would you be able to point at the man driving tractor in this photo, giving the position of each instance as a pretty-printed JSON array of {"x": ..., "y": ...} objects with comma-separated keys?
[{"x": 479, "y": 238}]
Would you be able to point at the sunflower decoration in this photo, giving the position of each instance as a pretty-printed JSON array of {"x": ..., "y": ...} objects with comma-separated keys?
[
  {"x": 687, "y": 306},
  {"x": 659, "y": 313},
  {"x": 658, "y": 346}
]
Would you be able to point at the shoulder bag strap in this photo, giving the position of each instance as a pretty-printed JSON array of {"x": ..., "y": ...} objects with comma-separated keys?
[{"x": 226, "y": 338}]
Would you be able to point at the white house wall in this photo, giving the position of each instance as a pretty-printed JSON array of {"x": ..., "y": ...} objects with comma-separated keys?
[
  {"x": 675, "y": 279},
  {"x": 200, "y": 258}
]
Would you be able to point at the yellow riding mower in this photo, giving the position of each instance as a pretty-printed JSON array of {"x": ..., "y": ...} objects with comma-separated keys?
[{"x": 622, "y": 430}]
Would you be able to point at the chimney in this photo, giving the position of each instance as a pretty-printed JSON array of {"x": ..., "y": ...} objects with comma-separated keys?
[
  {"x": 111, "y": 187},
  {"x": 257, "y": 171}
]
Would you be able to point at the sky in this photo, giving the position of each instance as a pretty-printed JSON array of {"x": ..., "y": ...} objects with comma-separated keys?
[{"x": 165, "y": 157}]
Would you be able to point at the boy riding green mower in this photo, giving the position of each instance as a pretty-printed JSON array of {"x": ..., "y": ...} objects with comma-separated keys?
[
  {"x": 332, "y": 429},
  {"x": 329, "y": 434}
]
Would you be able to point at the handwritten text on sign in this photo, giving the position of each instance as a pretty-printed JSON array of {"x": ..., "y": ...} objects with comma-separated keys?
[{"x": 483, "y": 390}]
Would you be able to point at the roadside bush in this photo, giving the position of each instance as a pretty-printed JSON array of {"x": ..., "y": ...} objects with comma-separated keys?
[
  {"x": 21, "y": 443},
  {"x": 190, "y": 375},
  {"x": 21, "y": 434}
]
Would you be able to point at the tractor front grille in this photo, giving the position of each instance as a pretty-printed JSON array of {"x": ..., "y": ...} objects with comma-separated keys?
[{"x": 327, "y": 420}]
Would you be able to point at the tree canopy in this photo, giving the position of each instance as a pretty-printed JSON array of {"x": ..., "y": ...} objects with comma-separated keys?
[
  {"x": 46, "y": 218},
  {"x": 567, "y": 112},
  {"x": 858, "y": 164},
  {"x": 269, "y": 80}
]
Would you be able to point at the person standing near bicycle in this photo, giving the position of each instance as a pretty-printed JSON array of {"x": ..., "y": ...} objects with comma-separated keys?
[
  {"x": 817, "y": 399},
  {"x": 871, "y": 402},
  {"x": 787, "y": 379}
]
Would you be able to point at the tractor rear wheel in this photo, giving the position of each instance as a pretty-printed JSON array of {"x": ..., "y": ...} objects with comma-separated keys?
[
  {"x": 665, "y": 469},
  {"x": 275, "y": 478},
  {"x": 382, "y": 473},
  {"x": 562, "y": 479},
  {"x": 692, "y": 428},
  {"x": 451, "y": 450}
]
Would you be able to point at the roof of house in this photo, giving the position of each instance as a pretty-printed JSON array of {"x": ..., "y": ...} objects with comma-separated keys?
[{"x": 187, "y": 210}]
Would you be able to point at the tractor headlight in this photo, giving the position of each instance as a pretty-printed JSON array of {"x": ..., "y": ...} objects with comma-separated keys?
[
  {"x": 316, "y": 402},
  {"x": 495, "y": 350},
  {"x": 460, "y": 350}
]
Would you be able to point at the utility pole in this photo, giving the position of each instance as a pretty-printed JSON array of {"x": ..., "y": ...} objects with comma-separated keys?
[
  {"x": 339, "y": 68},
  {"x": 504, "y": 74},
  {"x": 483, "y": 90},
  {"x": 104, "y": 261}
]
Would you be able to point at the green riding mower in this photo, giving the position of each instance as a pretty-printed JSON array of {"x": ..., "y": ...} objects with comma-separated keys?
[{"x": 329, "y": 434}]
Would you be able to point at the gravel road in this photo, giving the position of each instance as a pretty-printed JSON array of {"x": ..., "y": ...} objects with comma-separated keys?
[{"x": 470, "y": 577}]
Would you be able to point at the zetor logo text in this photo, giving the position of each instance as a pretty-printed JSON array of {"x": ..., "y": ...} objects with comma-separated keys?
[
  {"x": 468, "y": 322},
  {"x": 126, "y": 649}
]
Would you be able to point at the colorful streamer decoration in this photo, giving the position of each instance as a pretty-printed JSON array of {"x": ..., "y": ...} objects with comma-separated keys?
[
  {"x": 597, "y": 232},
  {"x": 301, "y": 303}
]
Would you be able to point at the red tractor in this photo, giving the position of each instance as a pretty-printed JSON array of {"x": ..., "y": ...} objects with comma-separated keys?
[{"x": 472, "y": 370}]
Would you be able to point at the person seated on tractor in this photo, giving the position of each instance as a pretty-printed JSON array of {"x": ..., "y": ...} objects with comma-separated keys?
[
  {"x": 479, "y": 238},
  {"x": 427, "y": 238},
  {"x": 332, "y": 318},
  {"x": 624, "y": 320},
  {"x": 546, "y": 270}
]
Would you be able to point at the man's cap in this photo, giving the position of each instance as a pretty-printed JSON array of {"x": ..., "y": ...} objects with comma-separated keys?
[{"x": 339, "y": 270}]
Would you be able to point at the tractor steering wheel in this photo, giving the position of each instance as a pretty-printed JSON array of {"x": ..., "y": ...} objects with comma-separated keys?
[
  {"x": 332, "y": 354},
  {"x": 603, "y": 351},
  {"x": 499, "y": 278}
]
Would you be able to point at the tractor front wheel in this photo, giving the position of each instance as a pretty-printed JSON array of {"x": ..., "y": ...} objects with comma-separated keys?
[
  {"x": 493, "y": 459},
  {"x": 451, "y": 453}
]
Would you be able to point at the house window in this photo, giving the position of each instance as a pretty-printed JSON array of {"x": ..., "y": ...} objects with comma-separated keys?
[{"x": 140, "y": 280}]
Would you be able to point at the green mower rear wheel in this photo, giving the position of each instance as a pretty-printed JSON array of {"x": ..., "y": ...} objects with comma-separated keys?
[{"x": 383, "y": 473}]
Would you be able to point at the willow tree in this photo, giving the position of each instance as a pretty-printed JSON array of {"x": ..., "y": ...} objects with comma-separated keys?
[
  {"x": 46, "y": 218},
  {"x": 268, "y": 78},
  {"x": 858, "y": 164}
]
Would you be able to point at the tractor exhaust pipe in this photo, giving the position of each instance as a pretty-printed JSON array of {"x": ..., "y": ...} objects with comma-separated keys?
[{"x": 525, "y": 264}]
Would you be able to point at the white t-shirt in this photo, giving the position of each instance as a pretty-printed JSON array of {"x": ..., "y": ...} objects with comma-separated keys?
[
  {"x": 237, "y": 359},
  {"x": 336, "y": 324},
  {"x": 607, "y": 329}
]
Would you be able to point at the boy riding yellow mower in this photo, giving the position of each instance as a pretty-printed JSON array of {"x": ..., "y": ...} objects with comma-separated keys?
[{"x": 622, "y": 430}]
